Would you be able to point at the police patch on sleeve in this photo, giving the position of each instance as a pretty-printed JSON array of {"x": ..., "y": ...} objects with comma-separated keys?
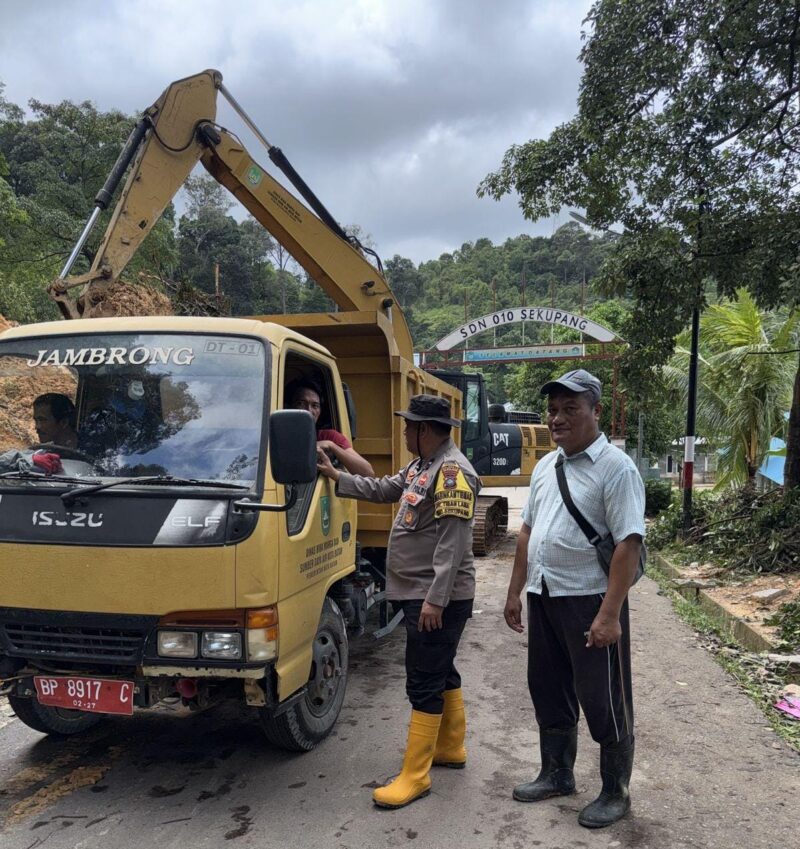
[{"x": 453, "y": 495}]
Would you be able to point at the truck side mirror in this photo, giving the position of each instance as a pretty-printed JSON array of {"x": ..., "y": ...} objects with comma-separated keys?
[{"x": 292, "y": 446}]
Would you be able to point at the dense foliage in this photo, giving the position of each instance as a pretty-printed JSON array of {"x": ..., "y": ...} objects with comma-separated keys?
[
  {"x": 53, "y": 161},
  {"x": 745, "y": 383},
  {"x": 657, "y": 496},
  {"x": 687, "y": 134},
  {"x": 741, "y": 531}
]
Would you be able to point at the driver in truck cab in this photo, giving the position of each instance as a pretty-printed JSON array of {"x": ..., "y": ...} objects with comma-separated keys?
[
  {"x": 430, "y": 574},
  {"x": 304, "y": 394},
  {"x": 54, "y": 419}
]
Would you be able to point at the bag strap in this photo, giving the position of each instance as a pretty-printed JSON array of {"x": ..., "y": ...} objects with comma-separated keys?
[{"x": 591, "y": 534}]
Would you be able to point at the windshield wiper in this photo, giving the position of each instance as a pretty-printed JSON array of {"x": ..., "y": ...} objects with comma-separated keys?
[
  {"x": 19, "y": 474},
  {"x": 166, "y": 480}
]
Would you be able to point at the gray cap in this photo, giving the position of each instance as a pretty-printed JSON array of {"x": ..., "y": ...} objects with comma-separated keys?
[
  {"x": 429, "y": 408},
  {"x": 578, "y": 380}
]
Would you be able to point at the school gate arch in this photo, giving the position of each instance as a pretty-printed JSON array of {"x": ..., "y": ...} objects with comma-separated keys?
[
  {"x": 518, "y": 315},
  {"x": 442, "y": 356}
]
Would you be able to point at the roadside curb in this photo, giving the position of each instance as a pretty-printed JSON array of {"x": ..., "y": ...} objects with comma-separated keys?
[{"x": 742, "y": 631}]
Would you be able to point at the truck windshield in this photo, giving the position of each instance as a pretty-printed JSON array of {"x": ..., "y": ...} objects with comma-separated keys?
[{"x": 133, "y": 405}]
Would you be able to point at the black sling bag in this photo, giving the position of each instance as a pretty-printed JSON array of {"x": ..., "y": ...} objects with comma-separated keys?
[{"x": 604, "y": 546}]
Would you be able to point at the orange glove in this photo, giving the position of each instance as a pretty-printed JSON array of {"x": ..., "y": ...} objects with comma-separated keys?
[{"x": 50, "y": 464}]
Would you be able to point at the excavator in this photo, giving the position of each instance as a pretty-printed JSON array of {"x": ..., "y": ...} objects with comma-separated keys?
[{"x": 179, "y": 130}]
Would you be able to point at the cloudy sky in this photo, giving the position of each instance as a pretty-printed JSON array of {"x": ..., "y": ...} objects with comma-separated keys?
[{"x": 391, "y": 111}]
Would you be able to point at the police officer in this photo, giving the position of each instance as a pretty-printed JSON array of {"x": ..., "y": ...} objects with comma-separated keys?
[{"x": 431, "y": 575}]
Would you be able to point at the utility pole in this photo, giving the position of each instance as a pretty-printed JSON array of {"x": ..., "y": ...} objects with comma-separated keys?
[
  {"x": 691, "y": 408},
  {"x": 216, "y": 283},
  {"x": 524, "y": 263},
  {"x": 691, "y": 416}
]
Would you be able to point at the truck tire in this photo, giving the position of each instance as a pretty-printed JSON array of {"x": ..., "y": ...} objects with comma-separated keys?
[
  {"x": 51, "y": 720},
  {"x": 311, "y": 718}
]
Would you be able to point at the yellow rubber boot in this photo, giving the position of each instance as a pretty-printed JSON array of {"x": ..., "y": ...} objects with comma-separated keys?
[
  {"x": 414, "y": 780},
  {"x": 450, "y": 749}
]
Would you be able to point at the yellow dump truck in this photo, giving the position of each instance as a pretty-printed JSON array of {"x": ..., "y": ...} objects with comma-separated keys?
[{"x": 181, "y": 544}]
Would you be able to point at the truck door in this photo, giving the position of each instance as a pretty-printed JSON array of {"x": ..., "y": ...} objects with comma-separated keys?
[{"x": 320, "y": 528}]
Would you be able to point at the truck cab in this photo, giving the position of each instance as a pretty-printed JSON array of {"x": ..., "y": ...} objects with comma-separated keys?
[{"x": 170, "y": 555}]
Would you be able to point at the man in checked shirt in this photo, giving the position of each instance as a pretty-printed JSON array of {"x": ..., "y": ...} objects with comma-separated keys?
[{"x": 579, "y": 640}]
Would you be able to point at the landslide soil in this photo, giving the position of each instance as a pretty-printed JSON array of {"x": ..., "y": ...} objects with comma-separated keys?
[{"x": 18, "y": 391}]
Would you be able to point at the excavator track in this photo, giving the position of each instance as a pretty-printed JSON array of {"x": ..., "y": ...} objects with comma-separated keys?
[{"x": 491, "y": 523}]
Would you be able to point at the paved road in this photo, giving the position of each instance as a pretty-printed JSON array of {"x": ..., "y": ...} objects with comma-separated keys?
[{"x": 709, "y": 772}]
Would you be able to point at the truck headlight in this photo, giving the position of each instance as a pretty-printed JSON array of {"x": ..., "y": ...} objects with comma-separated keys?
[
  {"x": 222, "y": 644},
  {"x": 177, "y": 644}
]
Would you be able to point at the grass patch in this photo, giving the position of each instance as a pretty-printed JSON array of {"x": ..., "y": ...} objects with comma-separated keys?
[
  {"x": 787, "y": 620},
  {"x": 754, "y": 676}
]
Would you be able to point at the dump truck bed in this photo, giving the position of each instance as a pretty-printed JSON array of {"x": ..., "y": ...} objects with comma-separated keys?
[{"x": 381, "y": 381}]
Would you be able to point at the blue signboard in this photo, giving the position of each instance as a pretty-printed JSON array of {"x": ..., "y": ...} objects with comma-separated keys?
[{"x": 529, "y": 352}]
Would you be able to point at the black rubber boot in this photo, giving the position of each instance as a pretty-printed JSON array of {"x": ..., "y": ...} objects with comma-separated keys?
[
  {"x": 558, "y": 748},
  {"x": 614, "y": 801}
]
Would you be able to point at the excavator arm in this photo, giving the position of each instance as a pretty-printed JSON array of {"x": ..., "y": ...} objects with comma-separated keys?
[{"x": 176, "y": 132}]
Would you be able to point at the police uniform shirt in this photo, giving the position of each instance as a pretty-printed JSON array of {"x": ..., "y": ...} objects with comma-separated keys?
[{"x": 430, "y": 545}]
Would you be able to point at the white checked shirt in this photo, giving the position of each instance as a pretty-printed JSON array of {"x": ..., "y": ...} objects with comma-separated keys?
[{"x": 607, "y": 488}]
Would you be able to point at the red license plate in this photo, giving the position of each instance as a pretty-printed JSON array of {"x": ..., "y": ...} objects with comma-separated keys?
[{"x": 96, "y": 695}]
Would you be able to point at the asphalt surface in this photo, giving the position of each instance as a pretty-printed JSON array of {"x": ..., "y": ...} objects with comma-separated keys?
[{"x": 709, "y": 771}]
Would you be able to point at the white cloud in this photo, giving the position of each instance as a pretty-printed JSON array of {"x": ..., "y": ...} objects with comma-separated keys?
[{"x": 392, "y": 112}]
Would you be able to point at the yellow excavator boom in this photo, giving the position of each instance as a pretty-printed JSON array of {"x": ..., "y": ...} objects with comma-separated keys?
[{"x": 173, "y": 134}]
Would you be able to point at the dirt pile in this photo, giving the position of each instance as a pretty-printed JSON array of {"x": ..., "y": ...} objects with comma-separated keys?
[
  {"x": 18, "y": 388},
  {"x": 131, "y": 299}
]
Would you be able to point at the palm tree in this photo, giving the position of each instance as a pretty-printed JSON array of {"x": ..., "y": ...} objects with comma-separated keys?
[{"x": 744, "y": 385}]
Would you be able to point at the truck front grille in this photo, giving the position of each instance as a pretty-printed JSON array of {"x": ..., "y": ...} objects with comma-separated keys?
[
  {"x": 75, "y": 643},
  {"x": 77, "y": 637}
]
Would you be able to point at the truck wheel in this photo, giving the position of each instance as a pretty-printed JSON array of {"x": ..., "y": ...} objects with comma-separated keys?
[
  {"x": 312, "y": 718},
  {"x": 51, "y": 720}
]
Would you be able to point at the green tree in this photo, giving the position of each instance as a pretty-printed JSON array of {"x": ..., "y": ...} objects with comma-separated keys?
[
  {"x": 744, "y": 389},
  {"x": 404, "y": 278},
  {"x": 54, "y": 163},
  {"x": 687, "y": 133}
]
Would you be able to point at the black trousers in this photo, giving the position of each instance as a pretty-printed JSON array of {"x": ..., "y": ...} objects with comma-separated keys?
[
  {"x": 563, "y": 674},
  {"x": 430, "y": 655}
]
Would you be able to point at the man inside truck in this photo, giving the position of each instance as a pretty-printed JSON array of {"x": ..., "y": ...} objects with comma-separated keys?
[
  {"x": 430, "y": 574},
  {"x": 305, "y": 394},
  {"x": 54, "y": 419}
]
